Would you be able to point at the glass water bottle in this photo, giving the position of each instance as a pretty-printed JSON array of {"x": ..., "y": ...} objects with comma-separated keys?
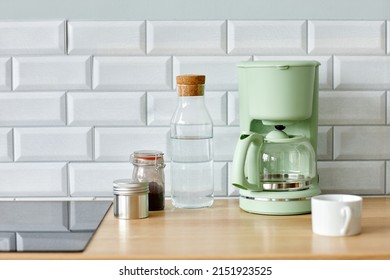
[{"x": 191, "y": 136}]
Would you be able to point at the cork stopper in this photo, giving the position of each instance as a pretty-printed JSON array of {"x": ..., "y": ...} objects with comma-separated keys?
[{"x": 190, "y": 85}]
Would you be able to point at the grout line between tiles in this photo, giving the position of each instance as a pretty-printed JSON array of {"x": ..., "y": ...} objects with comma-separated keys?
[
  {"x": 66, "y": 38},
  {"x": 307, "y": 37},
  {"x": 227, "y": 37},
  {"x": 67, "y": 180},
  {"x": 146, "y": 38},
  {"x": 13, "y": 144},
  {"x": 12, "y": 73},
  {"x": 146, "y": 113}
]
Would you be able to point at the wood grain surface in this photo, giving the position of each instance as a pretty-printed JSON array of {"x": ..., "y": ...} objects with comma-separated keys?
[{"x": 224, "y": 231}]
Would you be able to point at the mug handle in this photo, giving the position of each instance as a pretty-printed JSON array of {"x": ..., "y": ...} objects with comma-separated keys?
[{"x": 347, "y": 213}]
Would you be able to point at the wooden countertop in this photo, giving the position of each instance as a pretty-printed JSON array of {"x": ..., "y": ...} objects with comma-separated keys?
[{"x": 224, "y": 231}]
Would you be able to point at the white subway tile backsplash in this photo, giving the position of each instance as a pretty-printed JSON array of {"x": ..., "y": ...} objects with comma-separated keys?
[
  {"x": 364, "y": 177},
  {"x": 186, "y": 37},
  {"x": 32, "y": 108},
  {"x": 160, "y": 108},
  {"x": 220, "y": 71},
  {"x": 95, "y": 179},
  {"x": 33, "y": 179},
  {"x": 225, "y": 141},
  {"x": 361, "y": 72},
  {"x": 216, "y": 103},
  {"x": 388, "y": 36},
  {"x": 266, "y": 37},
  {"x": 52, "y": 73},
  {"x": 220, "y": 178},
  {"x": 387, "y": 177},
  {"x": 32, "y": 37},
  {"x": 361, "y": 142},
  {"x": 132, "y": 73},
  {"x": 106, "y": 37},
  {"x": 117, "y": 144},
  {"x": 233, "y": 108},
  {"x": 232, "y": 191},
  {"x": 6, "y": 146},
  {"x": 53, "y": 143},
  {"x": 325, "y": 70},
  {"x": 325, "y": 143},
  {"x": 346, "y": 37},
  {"x": 388, "y": 106},
  {"x": 106, "y": 108},
  {"x": 78, "y": 97},
  {"x": 5, "y": 73},
  {"x": 352, "y": 107}
]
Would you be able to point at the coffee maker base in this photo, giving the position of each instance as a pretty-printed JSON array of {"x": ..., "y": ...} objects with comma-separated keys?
[{"x": 278, "y": 203}]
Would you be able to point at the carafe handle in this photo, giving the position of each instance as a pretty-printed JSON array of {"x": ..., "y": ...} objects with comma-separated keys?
[{"x": 239, "y": 178}]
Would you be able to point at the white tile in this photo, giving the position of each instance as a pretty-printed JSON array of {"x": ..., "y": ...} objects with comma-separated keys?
[
  {"x": 352, "y": 107},
  {"x": 216, "y": 104},
  {"x": 388, "y": 36},
  {"x": 387, "y": 177},
  {"x": 106, "y": 108},
  {"x": 232, "y": 190},
  {"x": 225, "y": 141},
  {"x": 346, "y": 37},
  {"x": 233, "y": 108},
  {"x": 220, "y": 178},
  {"x": 132, "y": 73},
  {"x": 106, "y": 37},
  {"x": 361, "y": 72},
  {"x": 95, "y": 179},
  {"x": 388, "y": 106},
  {"x": 32, "y": 37},
  {"x": 6, "y": 147},
  {"x": 186, "y": 37},
  {"x": 52, "y": 73},
  {"x": 117, "y": 144},
  {"x": 361, "y": 142},
  {"x": 355, "y": 177},
  {"x": 325, "y": 143},
  {"x": 325, "y": 70},
  {"x": 5, "y": 73},
  {"x": 162, "y": 105},
  {"x": 33, "y": 179},
  {"x": 32, "y": 108},
  {"x": 267, "y": 37},
  {"x": 220, "y": 71},
  {"x": 53, "y": 143}
]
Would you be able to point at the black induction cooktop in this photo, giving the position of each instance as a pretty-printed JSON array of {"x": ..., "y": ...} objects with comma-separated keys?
[{"x": 49, "y": 225}]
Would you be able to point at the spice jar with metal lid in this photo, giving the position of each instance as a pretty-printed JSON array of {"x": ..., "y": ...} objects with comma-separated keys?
[
  {"x": 149, "y": 167},
  {"x": 130, "y": 199}
]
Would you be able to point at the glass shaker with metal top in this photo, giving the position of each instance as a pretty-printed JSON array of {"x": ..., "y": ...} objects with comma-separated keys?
[{"x": 149, "y": 167}]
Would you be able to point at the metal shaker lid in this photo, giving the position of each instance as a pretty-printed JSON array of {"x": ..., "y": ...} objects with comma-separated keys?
[{"x": 129, "y": 186}]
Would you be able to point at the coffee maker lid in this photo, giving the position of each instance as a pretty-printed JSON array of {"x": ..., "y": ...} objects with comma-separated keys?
[{"x": 281, "y": 64}]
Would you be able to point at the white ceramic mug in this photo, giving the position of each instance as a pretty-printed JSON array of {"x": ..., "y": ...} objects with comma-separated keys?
[{"x": 336, "y": 214}]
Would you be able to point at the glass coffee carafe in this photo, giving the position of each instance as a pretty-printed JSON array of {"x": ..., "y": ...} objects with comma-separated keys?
[{"x": 286, "y": 164}]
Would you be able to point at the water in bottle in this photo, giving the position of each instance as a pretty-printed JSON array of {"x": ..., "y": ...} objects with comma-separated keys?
[{"x": 191, "y": 146}]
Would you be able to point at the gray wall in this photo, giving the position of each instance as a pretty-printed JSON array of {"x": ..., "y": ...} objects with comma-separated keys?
[{"x": 194, "y": 10}]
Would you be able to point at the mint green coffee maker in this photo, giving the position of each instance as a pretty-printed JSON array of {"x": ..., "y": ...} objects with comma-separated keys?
[{"x": 275, "y": 162}]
